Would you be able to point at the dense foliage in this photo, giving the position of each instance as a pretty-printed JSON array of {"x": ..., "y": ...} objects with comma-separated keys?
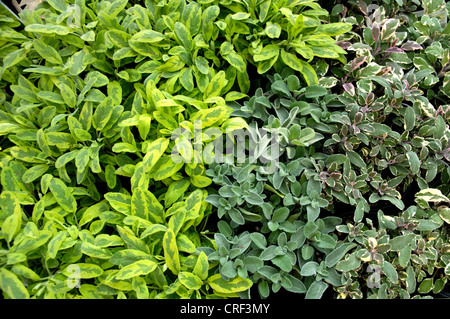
[{"x": 218, "y": 149}]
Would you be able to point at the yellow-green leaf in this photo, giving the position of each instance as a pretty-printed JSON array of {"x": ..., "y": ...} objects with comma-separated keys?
[
  {"x": 153, "y": 152},
  {"x": 183, "y": 35},
  {"x": 200, "y": 181},
  {"x": 215, "y": 86},
  {"x": 236, "y": 60},
  {"x": 208, "y": 117},
  {"x": 68, "y": 95},
  {"x": 47, "y": 52},
  {"x": 140, "y": 287},
  {"x": 25, "y": 272},
  {"x": 131, "y": 241},
  {"x": 94, "y": 251},
  {"x": 333, "y": 29},
  {"x": 176, "y": 221},
  {"x": 47, "y": 29},
  {"x": 309, "y": 74},
  {"x": 268, "y": 52},
  {"x": 190, "y": 280},
  {"x": 138, "y": 268},
  {"x": 175, "y": 191},
  {"x": 12, "y": 286},
  {"x": 237, "y": 284},
  {"x": 171, "y": 254},
  {"x": 147, "y": 36},
  {"x": 55, "y": 243},
  {"x": 201, "y": 266},
  {"x": 13, "y": 58},
  {"x": 167, "y": 168},
  {"x": 102, "y": 114},
  {"x": 62, "y": 195},
  {"x": 291, "y": 60},
  {"x": 83, "y": 270}
]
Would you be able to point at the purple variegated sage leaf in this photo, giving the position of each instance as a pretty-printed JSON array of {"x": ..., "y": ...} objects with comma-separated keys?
[
  {"x": 411, "y": 45},
  {"x": 349, "y": 88}
]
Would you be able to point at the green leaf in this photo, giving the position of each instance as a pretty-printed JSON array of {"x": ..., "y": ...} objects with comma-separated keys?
[
  {"x": 140, "y": 203},
  {"x": 427, "y": 225},
  {"x": 140, "y": 287},
  {"x": 12, "y": 286},
  {"x": 138, "y": 268},
  {"x": 114, "y": 8},
  {"x": 399, "y": 242},
  {"x": 25, "y": 272},
  {"x": 47, "y": 52},
  {"x": 259, "y": 240},
  {"x": 324, "y": 52},
  {"x": 55, "y": 244},
  {"x": 351, "y": 262},
  {"x": 283, "y": 262},
  {"x": 68, "y": 95},
  {"x": 126, "y": 257},
  {"x": 411, "y": 280},
  {"x": 390, "y": 271},
  {"x": 183, "y": 35},
  {"x": 220, "y": 285},
  {"x": 47, "y": 29},
  {"x": 94, "y": 251},
  {"x": 208, "y": 117},
  {"x": 176, "y": 221},
  {"x": 201, "y": 266},
  {"x": 268, "y": 52},
  {"x": 152, "y": 229},
  {"x": 315, "y": 91},
  {"x": 190, "y": 280},
  {"x": 62, "y": 195},
  {"x": 171, "y": 255},
  {"x": 410, "y": 118},
  {"x": 414, "y": 162},
  {"x": 131, "y": 241},
  {"x": 167, "y": 168},
  {"x": 13, "y": 58},
  {"x": 356, "y": 159},
  {"x": 316, "y": 290},
  {"x": 432, "y": 195},
  {"x": 144, "y": 36},
  {"x": 333, "y": 29},
  {"x": 291, "y": 60},
  {"x": 83, "y": 270},
  {"x": 309, "y": 269},
  {"x": 187, "y": 79},
  {"x": 102, "y": 114},
  {"x": 336, "y": 255},
  {"x": 202, "y": 65},
  {"x": 175, "y": 191},
  {"x": 215, "y": 86},
  {"x": 308, "y": 72},
  {"x": 200, "y": 181},
  {"x": 77, "y": 63},
  {"x": 154, "y": 152},
  {"x": 425, "y": 286},
  {"x": 236, "y": 60},
  {"x": 120, "y": 202},
  {"x": 273, "y": 30}
]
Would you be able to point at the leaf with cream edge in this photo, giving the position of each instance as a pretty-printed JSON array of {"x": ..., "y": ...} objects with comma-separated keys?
[{"x": 235, "y": 285}]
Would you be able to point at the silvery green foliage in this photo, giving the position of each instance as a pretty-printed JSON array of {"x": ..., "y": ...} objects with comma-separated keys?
[{"x": 380, "y": 135}]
